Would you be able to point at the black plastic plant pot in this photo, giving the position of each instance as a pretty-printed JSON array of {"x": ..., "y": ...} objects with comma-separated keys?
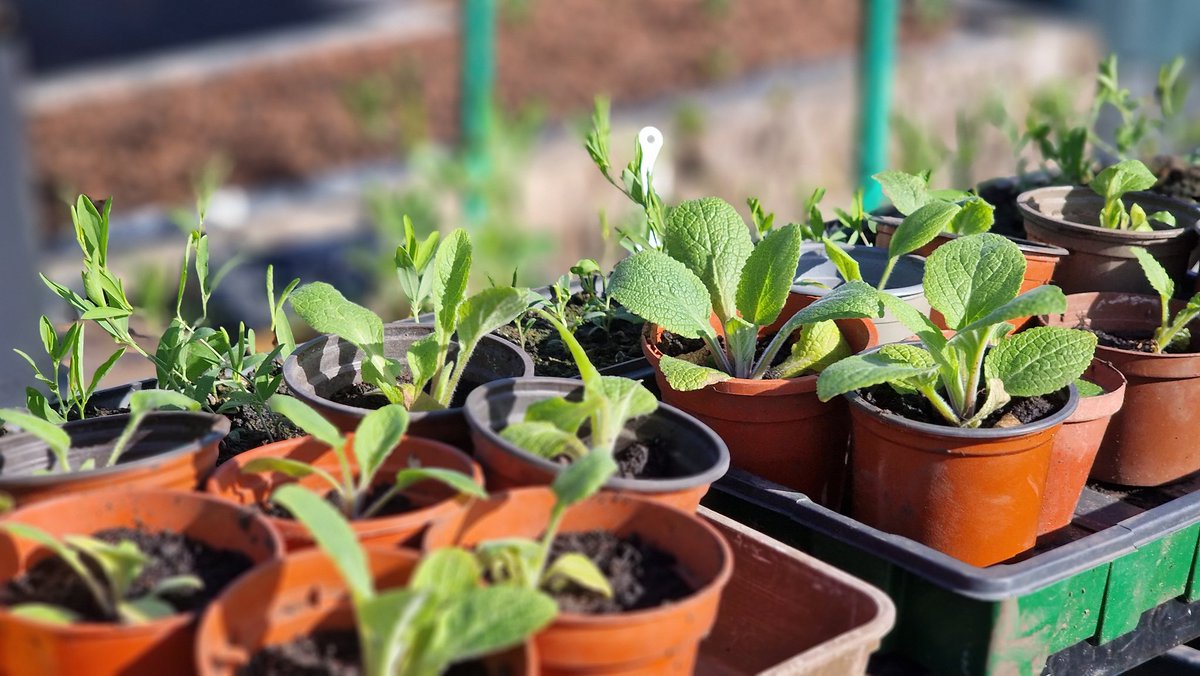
[
  {"x": 326, "y": 365},
  {"x": 694, "y": 455},
  {"x": 175, "y": 450}
]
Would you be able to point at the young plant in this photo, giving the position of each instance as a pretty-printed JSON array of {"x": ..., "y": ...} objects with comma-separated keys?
[
  {"x": 376, "y": 437},
  {"x": 928, "y": 213},
  {"x": 1169, "y": 332},
  {"x": 108, "y": 571},
  {"x": 79, "y": 390},
  {"x": 141, "y": 404},
  {"x": 1113, "y": 183},
  {"x": 636, "y": 179},
  {"x": 598, "y": 306},
  {"x": 445, "y": 615},
  {"x": 413, "y": 257},
  {"x": 467, "y": 320},
  {"x": 711, "y": 267},
  {"x": 973, "y": 281}
]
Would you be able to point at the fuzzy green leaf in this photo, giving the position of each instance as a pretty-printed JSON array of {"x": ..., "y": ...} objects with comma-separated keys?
[
  {"x": 921, "y": 227},
  {"x": 1040, "y": 360},
  {"x": 1155, "y": 273},
  {"x": 818, "y": 346},
  {"x": 846, "y": 265},
  {"x": 292, "y": 468},
  {"x": 470, "y": 620},
  {"x": 144, "y": 401},
  {"x": 767, "y": 277},
  {"x": 976, "y": 216},
  {"x": 377, "y": 436},
  {"x": 578, "y": 569},
  {"x": 969, "y": 277},
  {"x": 583, "y": 478},
  {"x": 306, "y": 418},
  {"x": 326, "y": 310},
  {"x": 456, "y": 480},
  {"x": 1122, "y": 177},
  {"x": 662, "y": 291},
  {"x": 487, "y": 311},
  {"x": 627, "y": 398},
  {"x": 709, "y": 237},
  {"x": 332, "y": 534},
  {"x": 907, "y": 192},
  {"x": 1087, "y": 388},
  {"x": 448, "y": 571},
  {"x": 544, "y": 440},
  {"x": 1040, "y": 300},
  {"x": 850, "y": 300},
  {"x": 859, "y": 371},
  {"x": 564, "y": 414},
  {"x": 451, "y": 270},
  {"x": 684, "y": 376}
]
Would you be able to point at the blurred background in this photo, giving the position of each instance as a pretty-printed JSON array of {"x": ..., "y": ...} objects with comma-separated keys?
[{"x": 319, "y": 123}]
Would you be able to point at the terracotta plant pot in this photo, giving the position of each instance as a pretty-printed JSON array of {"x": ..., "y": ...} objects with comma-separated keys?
[
  {"x": 974, "y": 494},
  {"x": 296, "y": 596},
  {"x": 1152, "y": 439},
  {"x": 905, "y": 282},
  {"x": 327, "y": 364},
  {"x": 436, "y": 501},
  {"x": 1041, "y": 260},
  {"x": 661, "y": 640},
  {"x": 699, "y": 454},
  {"x": 777, "y": 429},
  {"x": 174, "y": 450},
  {"x": 1101, "y": 259},
  {"x": 33, "y": 648},
  {"x": 1076, "y": 445}
]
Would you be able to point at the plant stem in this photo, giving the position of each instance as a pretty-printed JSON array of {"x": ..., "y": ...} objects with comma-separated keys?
[
  {"x": 940, "y": 405},
  {"x": 973, "y": 376},
  {"x": 556, "y": 515},
  {"x": 135, "y": 419}
]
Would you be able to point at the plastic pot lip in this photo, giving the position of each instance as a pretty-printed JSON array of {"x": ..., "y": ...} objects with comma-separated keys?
[
  {"x": 1028, "y": 247},
  {"x": 861, "y": 252},
  {"x": 303, "y": 391},
  {"x": 1102, "y": 350},
  {"x": 217, "y": 429},
  {"x": 1027, "y": 205},
  {"x": 159, "y": 626},
  {"x": 666, "y": 411},
  {"x": 1060, "y": 416},
  {"x": 1105, "y": 404}
]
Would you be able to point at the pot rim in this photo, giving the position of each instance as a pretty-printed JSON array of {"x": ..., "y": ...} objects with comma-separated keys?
[
  {"x": 1028, "y": 210},
  {"x": 854, "y": 250},
  {"x": 675, "y": 415},
  {"x": 305, "y": 392},
  {"x": 856, "y": 400},
  {"x": 218, "y": 428},
  {"x": 161, "y": 625},
  {"x": 1175, "y": 303},
  {"x": 1028, "y": 247}
]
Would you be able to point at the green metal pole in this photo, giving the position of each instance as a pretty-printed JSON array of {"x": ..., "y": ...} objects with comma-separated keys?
[
  {"x": 478, "y": 82},
  {"x": 880, "y": 21}
]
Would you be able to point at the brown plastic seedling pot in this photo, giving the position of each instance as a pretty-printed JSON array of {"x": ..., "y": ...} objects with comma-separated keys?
[
  {"x": 327, "y": 364},
  {"x": 662, "y": 640},
  {"x": 172, "y": 450},
  {"x": 775, "y": 428},
  {"x": 695, "y": 451},
  {"x": 1076, "y": 445},
  {"x": 297, "y": 596},
  {"x": 1101, "y": 259},
  {"x": 434, "y": 500},
  {"x": 1152, "y": 440},
  {"x": 34, "y": 648},
  {"x": 974, "y": 494}
]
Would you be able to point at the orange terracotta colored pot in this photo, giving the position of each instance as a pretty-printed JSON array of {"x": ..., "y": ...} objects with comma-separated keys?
[
  {"x": 296, "y": 596},
  {"x": 661, "y": 640},
  {"x": 1076, "y": 445},
  {"x": 1040, "y": 261},
  {"x": 437, "y": 500},
  {"x": 975, "y": 494},
  {"x": 29, "y": 647},
  {"x": 775, "y": 428},
  {"x": 1152, "y": 439},
  {"x": 173, "y": 450}
]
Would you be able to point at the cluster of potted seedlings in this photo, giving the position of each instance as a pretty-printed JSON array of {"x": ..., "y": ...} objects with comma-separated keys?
[{"x": 416, "y": 497}]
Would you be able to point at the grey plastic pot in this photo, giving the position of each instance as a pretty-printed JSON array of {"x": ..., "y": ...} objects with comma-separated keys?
[
  {"x": 905, "y": 282},
  {"x": 700, "y": 453},
  {"x": 328, "y": 364},
  {"x": 1102, "y": 259},
  {"x": 173, "y": 450}
]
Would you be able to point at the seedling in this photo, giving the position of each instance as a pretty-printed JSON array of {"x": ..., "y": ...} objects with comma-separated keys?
[
  {"x": 413, "y": 258},
  {"x": 927, "y": 214},
  {"x": 445, "y": 615},
  {"x": 468, "y": 320},
  {"x": 636, "y": 179},
  {"x": 79, "y": 390},
  {"x": 1169, "y": 332},
  {"x": 973, "y": 281},
  {"x": 377, "y": 435},
  {"x": 1113, "y": 183},
  {"x": 711, "y": 267},
  {"x": 141, "y": 404},
  {"x": 108, "y": 571}
]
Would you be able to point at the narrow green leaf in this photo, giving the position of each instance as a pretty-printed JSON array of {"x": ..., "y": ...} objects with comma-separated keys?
[
  {"x": 921, "y": 227},
  {"x": 448, "y": 571},
  {"x": 907, "y": 192},
  {"x": 684, "y": 376},
  {"x": 489, "y": 310},
  {"x": 766, "y": 279},
  {"x": 53, "y": 435},
  {"x": 460, "y": 482},
  {"x": 377, "y": 436},
  {"x": 859, "y": 371},
  {"x": 326, "y": 310},
  {"x": 332, "y": 534},
  {"x": 303, "y": 416},
  {"x": 575, "y": 568},
  {"x": 544, "y": 440},
  {"x": 1155, "y": 273},
  {"x": 44, "y": 612},
  {"x": 99, "y": 313},
  {"x": 451, "y": 271},
  {"x": 144, "y": 401},
  {"x": 292, "y": 468},
  {"x": 582, "y": 478},
  {"x": 846, "y": 265}
]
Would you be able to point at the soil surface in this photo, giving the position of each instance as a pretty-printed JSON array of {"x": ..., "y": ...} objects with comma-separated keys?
[
  {"x": 365, "y": 395},
  {"x": 917, "y": 408},
  {"x": 328, "y": 653},
  {"x": 52, "y": 581},
  {"x": 675, "y": 346},
  {"x": 397, "y": 504},
  {"x": 251, "y": 427},
  {"x": 642, "y": 576},
  {"x": 1177, "y": 178},
  {"x": 1134, "y": 341},
  {"x": 620, "y": 343},
  {"x": 642, "y": 459}
]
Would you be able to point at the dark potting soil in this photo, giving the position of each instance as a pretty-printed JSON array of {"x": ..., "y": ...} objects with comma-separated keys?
[
  {"x": 1177, "y": 178},
  {"x": 397, "y": 504},
  {"x": 641, "y": 575},
  {"x": 675, "y": 346},
  {"x": 330, "y": 653},
  {"x": 642, "y": 459},
  {"x": 51, "y": 581},
  {"x": 1134, "y": 341},
  {"x": 917, "y": 408},
  {"x": 619, "y": 344},
  {"x": 1003, "y": 196},
  {"x": 251, "y": 427},
  {"x": 365, "y": 395}
]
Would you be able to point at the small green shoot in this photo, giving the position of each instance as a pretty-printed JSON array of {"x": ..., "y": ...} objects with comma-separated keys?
[
  {"x": 59, "y": 405},
  {"x": 1169, "y": 332},
  {"x": 413, "y": 258},
  {"x": 636, "y": 181},
  {"x": 1113, "y": 183}
]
